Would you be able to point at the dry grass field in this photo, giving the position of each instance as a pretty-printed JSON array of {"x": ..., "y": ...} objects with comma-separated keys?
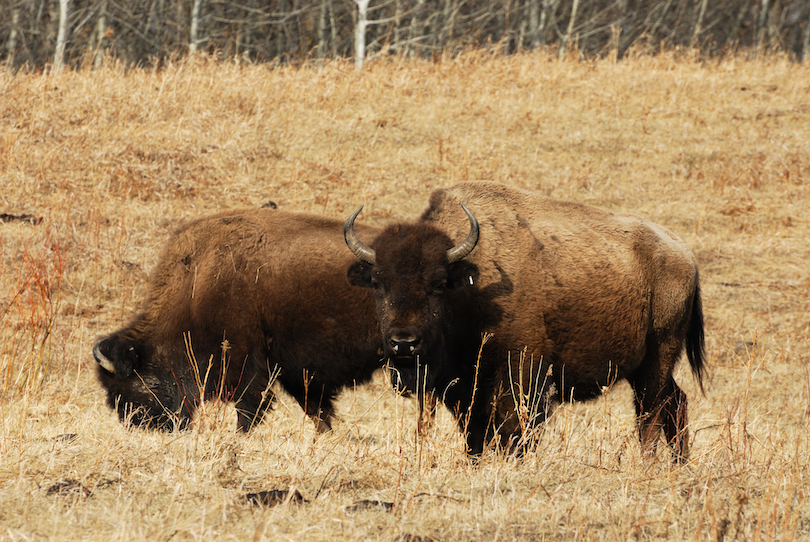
[{"x": 113, "y": 159}]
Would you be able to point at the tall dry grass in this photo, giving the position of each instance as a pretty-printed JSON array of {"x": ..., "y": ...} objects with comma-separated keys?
[{"x": 112, "y": 159}]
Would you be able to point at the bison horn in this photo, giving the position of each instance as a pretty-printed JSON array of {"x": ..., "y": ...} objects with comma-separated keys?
[
  {"x": 461, "y": 251},
  {"x": 363, "y": 252},
  {"x": 103, "y": 360}
]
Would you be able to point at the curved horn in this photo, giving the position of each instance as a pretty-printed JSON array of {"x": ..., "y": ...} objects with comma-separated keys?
[
  {"x": 363, "y": 252},
  {"x": 103, "y": 360},
  {"x": 461, "y": 251}
]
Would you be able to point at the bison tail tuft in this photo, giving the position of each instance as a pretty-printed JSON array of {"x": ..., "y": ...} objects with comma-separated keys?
[{"x": 695, "y": 344}]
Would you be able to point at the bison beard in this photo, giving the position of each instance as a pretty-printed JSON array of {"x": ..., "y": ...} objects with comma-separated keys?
[
  {"x": 237, "y": 300},
  {"x": 556, "y": 300}
]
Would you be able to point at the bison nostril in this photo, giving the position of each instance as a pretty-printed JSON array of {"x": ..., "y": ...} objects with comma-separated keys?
[{"x": 404, "y": 345}]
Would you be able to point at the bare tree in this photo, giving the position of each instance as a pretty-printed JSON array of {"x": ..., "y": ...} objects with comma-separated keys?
[
  {"x": 101, "y": 32},
  {"x": 321, "y": 51},
  {"x": 696, "y": 34},
  {"x": 763, "y": 17},
  {"x": 11, "y": 45},
  {"x": 40, "y": 32},
  {"x": 61, "y": 38},
  {"x": 360, "y": 33},
  {"x": 566, "y": 41},
  {"x": 806, "y": 48},
  {"x": 193, "y": 38}
]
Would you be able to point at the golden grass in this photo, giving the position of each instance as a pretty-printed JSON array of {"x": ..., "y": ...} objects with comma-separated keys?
[{"x": 112, "y": 159}]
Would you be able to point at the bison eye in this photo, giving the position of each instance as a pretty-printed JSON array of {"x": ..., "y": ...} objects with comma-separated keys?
[
  {"x": 439, "y": 288},
  {"x": 375, "y": 283}
]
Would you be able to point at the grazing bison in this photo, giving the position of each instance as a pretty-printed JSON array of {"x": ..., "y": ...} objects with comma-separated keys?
[
  {"x": 542, "y": 301},
  {"x": 237, "y": 299}
]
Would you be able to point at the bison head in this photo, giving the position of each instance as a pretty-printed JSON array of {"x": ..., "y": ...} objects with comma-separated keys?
[
  {"x": 141, "y": 388},
  {"x": 415, "y": 272}
]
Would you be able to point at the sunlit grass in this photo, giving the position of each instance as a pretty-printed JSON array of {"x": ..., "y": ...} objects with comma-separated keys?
[{"x": 113, "y": 159}]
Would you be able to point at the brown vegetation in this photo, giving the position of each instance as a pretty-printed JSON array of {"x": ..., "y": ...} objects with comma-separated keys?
[{"x": 112, "y": 159}]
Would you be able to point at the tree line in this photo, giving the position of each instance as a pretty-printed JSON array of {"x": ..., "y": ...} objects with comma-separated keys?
[{"x": 37, "y": 33}]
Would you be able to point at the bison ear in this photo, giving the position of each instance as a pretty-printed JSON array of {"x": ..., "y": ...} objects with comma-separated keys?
[
  {"x": 462, "y": 274},
  {"x": 359, "y": 274}
]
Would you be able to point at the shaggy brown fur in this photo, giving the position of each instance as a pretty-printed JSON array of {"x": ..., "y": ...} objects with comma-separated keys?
[
  {"x": 570, "y": 299},
  {"x": 235, "y": 298}
]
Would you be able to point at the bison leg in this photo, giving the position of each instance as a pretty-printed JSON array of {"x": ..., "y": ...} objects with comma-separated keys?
[
  {"x": 315, "y": 398},
  {"x": 322, "y": 421},
  {"x": 666, "y": 408},
  {"x": 427, "y": 413},
  {"x": 251, "y": 407},
  {"x": 675, "y": 423}
]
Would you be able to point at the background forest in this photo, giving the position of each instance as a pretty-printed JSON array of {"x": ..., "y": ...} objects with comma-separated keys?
[{"x": 34, "y": 33}]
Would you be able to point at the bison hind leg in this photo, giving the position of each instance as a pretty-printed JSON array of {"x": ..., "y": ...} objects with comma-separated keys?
[
  {"x": 675, "y": 423},
  {"x": 663, "y": 408}
]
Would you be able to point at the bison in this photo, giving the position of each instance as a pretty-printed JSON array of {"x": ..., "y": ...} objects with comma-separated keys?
[
  {"x": 237, "y": 300},
  {"x": 542, "y": 301}
]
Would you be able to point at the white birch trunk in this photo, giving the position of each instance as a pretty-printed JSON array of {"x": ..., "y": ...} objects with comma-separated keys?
[
  {"x": 360, "y": 33},
  {"x": 193, "y": 39},
  {"x": 61, "y": 37}
]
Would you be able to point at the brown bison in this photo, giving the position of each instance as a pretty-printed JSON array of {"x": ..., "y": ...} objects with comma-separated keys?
[
  {"x": 238, "y": 299},
  {"x": 543, "y": 301}
]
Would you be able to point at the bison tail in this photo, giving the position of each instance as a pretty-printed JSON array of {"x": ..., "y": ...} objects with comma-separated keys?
[{"x": 695, "y": 345}]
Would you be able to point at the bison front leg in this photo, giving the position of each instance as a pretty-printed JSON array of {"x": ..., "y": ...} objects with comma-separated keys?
[
  {"x": 315, "y": 398},
  {"x": 251, "y": 407},
  {"x": 427, "y": 413}
]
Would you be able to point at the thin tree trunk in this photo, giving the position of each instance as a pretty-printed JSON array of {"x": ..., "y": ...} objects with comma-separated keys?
[
  {"x": 735, "y": 30},
  {"x": 774, "y": 37},
  {"x": 322, "y": 32},
  {"x": 195, "y": 25},
  {"x": 247, "y": 40},
  {"x": 660, "y": 19},
  {"x": 397, "y": 22},
  {"x": 698, "y": 24},
  {"x": 61, "y": 37},
  {"x": 549, "y": 6},
  {"x": 360, "y": 33},
  {"x": 446, "y": 25},
  {"x": 11, "y": 45},
  {"x": 101, "y": 30},
  {"x": 414, "y": 25},
  {"x": 567, "y": 40},
  {"x": 763, "y": 17},
  {"x": 521, "y": 34},
  {"x": 806, "y": 51},
  {"x": 333, "y": 27},
  {"x": 534, "y": 23}
]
